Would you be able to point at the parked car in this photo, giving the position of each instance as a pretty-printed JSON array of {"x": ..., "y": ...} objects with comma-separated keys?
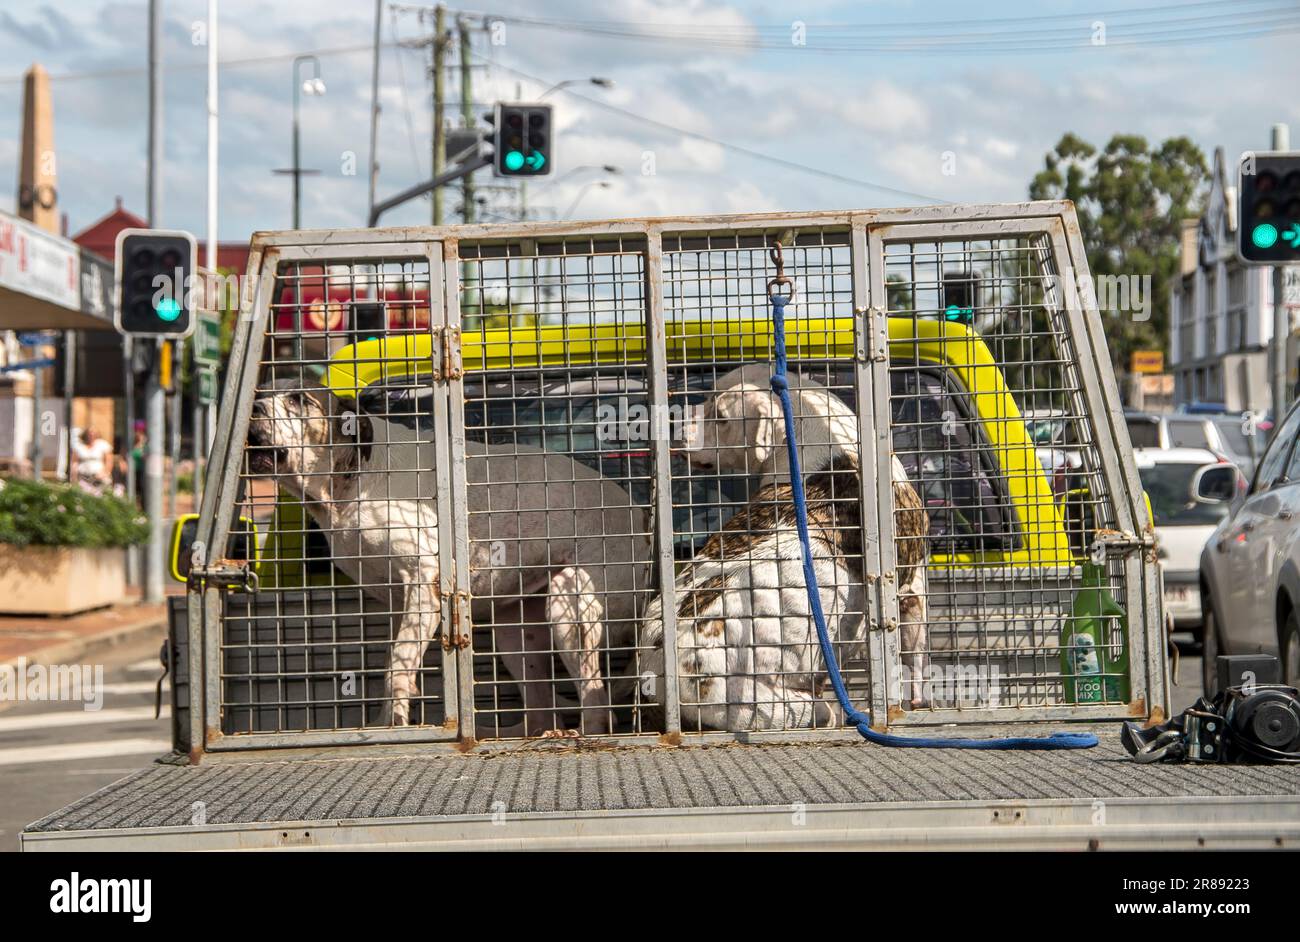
[
  {"x": 1184, "y": 521},
  {"x": 1250, "y": 567},
  {"x": 1239, "y": 438}
]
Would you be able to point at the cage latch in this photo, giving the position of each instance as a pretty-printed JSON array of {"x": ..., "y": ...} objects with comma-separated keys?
[
  {"x": 227, "y": 574},
  {"x": 1115, "y": 544}
]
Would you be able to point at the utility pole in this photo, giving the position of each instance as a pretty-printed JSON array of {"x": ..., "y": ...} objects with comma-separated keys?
[
  {"x": 439, "y": 130},
  {"x": 374, "y": 109},
  {"x": 154, "y": 403},
  {"x": 1281, "y": 320},
  {"x": 466, "y": 111}
]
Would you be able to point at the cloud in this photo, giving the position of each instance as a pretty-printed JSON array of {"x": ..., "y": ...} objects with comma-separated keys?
[{"x": 888, "y": 121}]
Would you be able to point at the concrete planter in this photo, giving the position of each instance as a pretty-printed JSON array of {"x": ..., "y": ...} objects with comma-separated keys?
[{"x": 59, "y": 580}]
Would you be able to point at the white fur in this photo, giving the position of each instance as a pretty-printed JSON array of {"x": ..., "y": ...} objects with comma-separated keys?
[
  {"x": 742, "y": 429},
  {"x": 749, "y": 660}
]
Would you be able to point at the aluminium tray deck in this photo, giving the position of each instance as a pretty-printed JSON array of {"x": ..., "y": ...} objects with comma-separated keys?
[{"x": 555, "y": 794}]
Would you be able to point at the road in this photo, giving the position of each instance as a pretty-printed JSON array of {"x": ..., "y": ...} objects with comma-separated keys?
[{"x": 52, "y": 753}]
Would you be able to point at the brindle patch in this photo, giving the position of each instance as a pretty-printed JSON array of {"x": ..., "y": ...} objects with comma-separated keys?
[
  {"x": 699, "y": 599},
  {"x": 712, "y": 628},
  {"x": 834, "y": 511}
]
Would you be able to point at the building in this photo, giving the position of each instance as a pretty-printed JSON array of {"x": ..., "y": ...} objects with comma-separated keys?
[
  {"x": 1221, "y": 322},
  {"x": 100, "y": 237}
]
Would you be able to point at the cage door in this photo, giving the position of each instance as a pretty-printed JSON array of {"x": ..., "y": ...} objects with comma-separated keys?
[{"x": 1000, "y": 415}]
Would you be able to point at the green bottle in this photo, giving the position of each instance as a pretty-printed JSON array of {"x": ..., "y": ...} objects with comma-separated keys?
[{"x": 1094, "y": 649}]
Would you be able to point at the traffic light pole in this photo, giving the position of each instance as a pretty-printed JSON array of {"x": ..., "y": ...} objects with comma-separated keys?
[
  {"x": 1281, "y": 321},
  {"x": 155, "y": 405},
  {"x": 476, "y": 162}
]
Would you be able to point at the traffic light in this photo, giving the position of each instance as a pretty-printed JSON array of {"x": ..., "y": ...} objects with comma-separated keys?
[
  {"x": 1268, "y": 208},
  {"x": 960, "y": 296},
  {"x": 153, "y": 270},
  {"x": 522, "y": 140}
]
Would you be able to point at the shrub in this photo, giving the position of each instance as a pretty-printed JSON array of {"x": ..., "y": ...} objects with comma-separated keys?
[{"x": 33, "y": 513}]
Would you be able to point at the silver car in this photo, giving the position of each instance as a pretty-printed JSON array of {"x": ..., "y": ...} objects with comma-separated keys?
[
  {"x": 1239, "y": 438},
  {"x": 1250, "y": 567}
]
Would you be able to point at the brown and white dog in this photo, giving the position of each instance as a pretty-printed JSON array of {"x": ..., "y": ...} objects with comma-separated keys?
[
  {"x": 573, "y": 552},
  {"x": 742, "y": 429},
  {"x": 747, "y": 652}
]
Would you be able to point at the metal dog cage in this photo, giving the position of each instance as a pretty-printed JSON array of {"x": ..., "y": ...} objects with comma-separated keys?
[{"x": 474, "y": 458}]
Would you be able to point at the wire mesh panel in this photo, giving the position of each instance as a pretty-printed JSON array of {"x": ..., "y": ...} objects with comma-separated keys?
[
  {"x": 991, "y": 420},
  {"x": 746, "y": 653},
  {"x": 557, "y": 424},
  {"x": 343, "y": 632}
]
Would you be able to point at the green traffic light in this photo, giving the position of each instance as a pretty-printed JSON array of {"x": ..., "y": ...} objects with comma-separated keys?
[
  {"x": 955, "y": 312},
  {"x": 1264, "y": 236},
  {"x": 168, "y": 309},
  {"x": 514, "y": 160}
]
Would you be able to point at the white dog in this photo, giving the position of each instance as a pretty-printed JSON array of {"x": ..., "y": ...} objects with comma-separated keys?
[
  {"x": 576, "y": 548},
  {"x": 747, "y": 651},
  {"x": 742, "y": 429}
]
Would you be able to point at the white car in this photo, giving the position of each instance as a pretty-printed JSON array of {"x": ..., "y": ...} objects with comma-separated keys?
[
  {"x": 1250, "y": 568},
  {"x": 1049, "y": 430},
  {"x": 1184, "y": 519}
]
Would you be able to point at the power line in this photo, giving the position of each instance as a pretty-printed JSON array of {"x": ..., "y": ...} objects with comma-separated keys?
[
  {"x": 406, "y": 103},
  {"x": 1215, "y": 28},
  {"x": 726, "y": 145},
  {"x": 187, "y": 67},
  {"x": 996, "y": 22},
  {"x": 1284, "y": 20}
]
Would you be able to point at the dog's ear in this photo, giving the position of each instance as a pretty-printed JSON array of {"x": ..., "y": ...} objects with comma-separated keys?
[
  {"x": 365, "y": 437},
  {"x": 354, "y": 437},
  {"x": 763, "y": 418}
]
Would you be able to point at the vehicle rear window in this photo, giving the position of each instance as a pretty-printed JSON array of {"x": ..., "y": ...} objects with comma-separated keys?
[
  {"x": 947, "y": 458},
  {"x": 1144, "y": 433},
  {"x": 1188, "y": 433},
  {"x": 938, "y": 442},
  {"x": 1169, "y": 486},
  {"x": 1235, "y": 439}
]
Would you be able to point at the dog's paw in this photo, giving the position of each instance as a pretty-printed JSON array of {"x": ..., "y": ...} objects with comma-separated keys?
[{"x": 561, "y": 734}]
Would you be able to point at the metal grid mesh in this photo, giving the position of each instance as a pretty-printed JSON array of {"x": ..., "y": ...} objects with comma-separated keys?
[
  {"x": 558, "y": 464},
  {"x": 746, "y": 661},
  {"x": 1010, "y": 475},
  {"x": 342, "y": 496}
]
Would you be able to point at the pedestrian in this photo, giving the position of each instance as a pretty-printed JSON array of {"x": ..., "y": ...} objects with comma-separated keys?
[
  {"x": 94, "y": 461},
  {"x": 138, "y": 448}
]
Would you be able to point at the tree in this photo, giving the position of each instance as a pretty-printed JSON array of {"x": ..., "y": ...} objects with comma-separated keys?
[{"x": 1131, "y": 201}]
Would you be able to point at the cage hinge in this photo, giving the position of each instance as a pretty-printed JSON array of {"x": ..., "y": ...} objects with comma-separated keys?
[
  {"x": 452, "y": 364},
  {"x": 1114, "y": 544},
  {"x": 226, "y": 574},
  {"x": 453, "y": 638},
  {"x": 877, "y": 336}
]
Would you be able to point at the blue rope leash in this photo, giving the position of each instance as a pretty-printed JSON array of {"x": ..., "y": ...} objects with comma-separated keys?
[{"x": 781, "y": 386}]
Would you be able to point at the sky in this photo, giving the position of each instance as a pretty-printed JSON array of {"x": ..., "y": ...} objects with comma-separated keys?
[{"x": 714, "y": 107}]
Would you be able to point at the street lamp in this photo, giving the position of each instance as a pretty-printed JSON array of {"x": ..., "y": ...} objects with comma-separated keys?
[
  {"x": 312, "y": 85},
  {"x": 603, "y": 168},
  {"x": 603, "y": 184},
  {"x": 594, "y": 80}
]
